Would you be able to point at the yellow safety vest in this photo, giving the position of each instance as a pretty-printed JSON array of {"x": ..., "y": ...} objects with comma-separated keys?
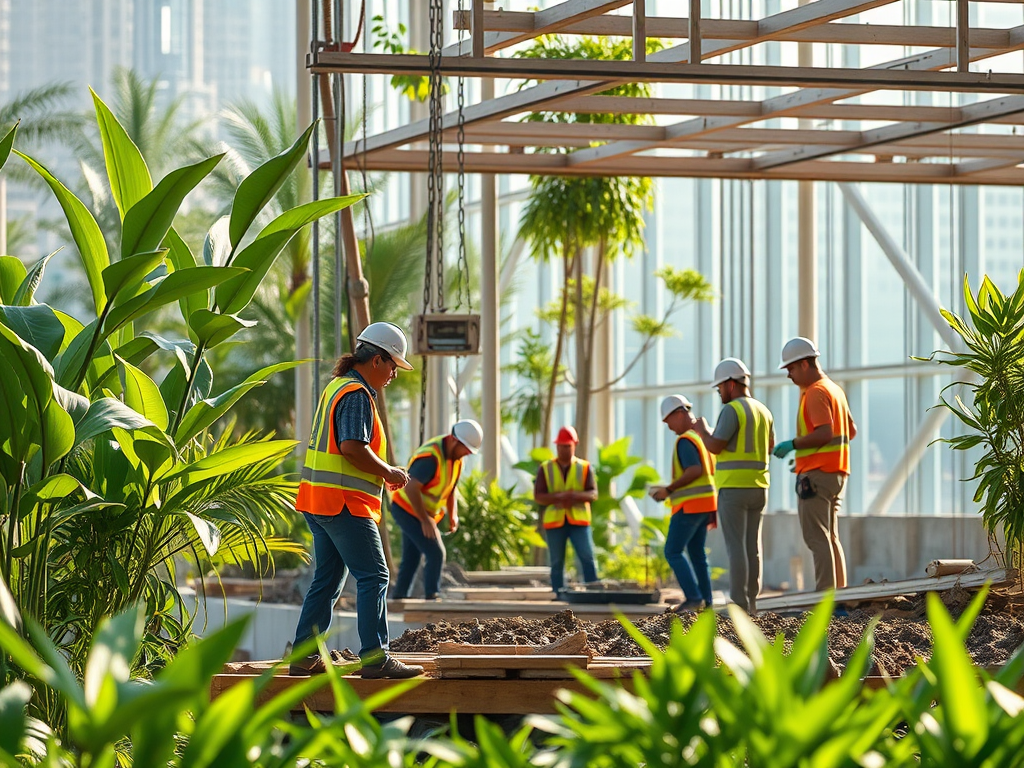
[
  {"x": 574, "y": 480},
  {"x": 436, "y": 492},
  {"x": 330, "y": 482},
  {"x": 700, "y": 495},
  {"x": 744, "y": 462}
]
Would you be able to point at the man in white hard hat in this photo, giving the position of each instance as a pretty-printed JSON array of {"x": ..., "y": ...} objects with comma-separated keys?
[
  {"x": 743, "y": 439},
  {"x": 344, "y": 474},
  {"x": 824, "y": 429},
  {"x": 564, "y": 488},
  {"x": 693, "y": 500},
  {"x": 421, "y": 505}
]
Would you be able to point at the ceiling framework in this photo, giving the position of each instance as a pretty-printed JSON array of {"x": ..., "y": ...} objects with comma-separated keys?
[{"x": 809, "y": 123}]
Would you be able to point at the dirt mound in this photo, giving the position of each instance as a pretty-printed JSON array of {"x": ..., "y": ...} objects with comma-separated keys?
[{"x": 901, "y": 636}]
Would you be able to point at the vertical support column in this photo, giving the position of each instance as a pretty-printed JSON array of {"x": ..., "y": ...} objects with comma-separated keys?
[
  {"x": 639, "y": 30},
  {"x": 695, "y": 43},
  {"x": 807, "y": 256},
  {"x": 963, "y": 36},
  {"x": 477, "y": 29},
  {"x": 490, "y": 342}
]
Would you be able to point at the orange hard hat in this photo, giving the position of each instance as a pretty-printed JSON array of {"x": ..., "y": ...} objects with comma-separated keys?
[{"x": 567, "y": 436}]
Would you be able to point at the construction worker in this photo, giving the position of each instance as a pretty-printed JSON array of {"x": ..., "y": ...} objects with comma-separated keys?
[
  {"x": 564, "y": 488},
  {"x": 420, "y": 506},
  {"x": 743, "y": 439},
  {"x": 824, "y": 429},
  {"x": 693, "y": 500},
  {"x": 344, "y": 474}
]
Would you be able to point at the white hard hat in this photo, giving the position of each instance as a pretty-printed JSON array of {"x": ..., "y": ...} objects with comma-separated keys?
[
  {"x": 390, "y": 338},
  {"x": 673, "y": 403},
  {"x": 469, "y": 433},
  {"x": 798, "y": 348},
  {"x": 730, "y": 368}
]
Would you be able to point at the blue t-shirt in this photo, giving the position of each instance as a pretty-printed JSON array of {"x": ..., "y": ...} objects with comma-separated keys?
[
  {"x": 353, "y": 415},
  {"x": 687, "y": 453},
  {"x": 425, "y": 467}
]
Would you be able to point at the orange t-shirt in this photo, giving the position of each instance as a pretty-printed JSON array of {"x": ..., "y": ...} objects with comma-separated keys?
[{"x": 824, "y": 402}]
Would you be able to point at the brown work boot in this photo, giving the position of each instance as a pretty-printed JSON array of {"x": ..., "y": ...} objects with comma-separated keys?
[
  {"x": 391, "y": 669},
  {"x": 314, "y": 664},
  {"x": 688, "y": 606}
]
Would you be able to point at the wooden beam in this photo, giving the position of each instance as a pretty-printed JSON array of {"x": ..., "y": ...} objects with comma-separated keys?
[
  {"x": 963, "y": 36},
  {"x": 695, "y": 34},
  {"x": 477, "y": 31},
  {"x": 666, "y": 27},
  {"x": 639, "y": 30},
  {"x": 969, "y": 115}
]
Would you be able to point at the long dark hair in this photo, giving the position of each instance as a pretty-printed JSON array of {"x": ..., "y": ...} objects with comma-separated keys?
[{"x": 364, "y": 353}]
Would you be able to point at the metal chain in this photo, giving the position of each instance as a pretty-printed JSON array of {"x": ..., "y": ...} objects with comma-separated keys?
[{"x": 463, "y": 277}]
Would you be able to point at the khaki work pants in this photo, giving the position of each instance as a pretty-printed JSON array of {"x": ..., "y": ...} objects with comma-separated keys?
[{"x": 820, "y": 526}]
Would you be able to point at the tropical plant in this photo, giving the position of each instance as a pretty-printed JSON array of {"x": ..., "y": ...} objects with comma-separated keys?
[
  {"x": 495, "y": 526},
  {"x": 107, "y": 478},
  {"x": 569, "y": 217},
  {"x": 413, "y": 87},
  {"x": 533, "y": 368},
  {"x": 993, "y": 351}
]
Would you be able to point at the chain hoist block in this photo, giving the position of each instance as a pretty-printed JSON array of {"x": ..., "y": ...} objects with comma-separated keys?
[{"x": 446, "y": 334}]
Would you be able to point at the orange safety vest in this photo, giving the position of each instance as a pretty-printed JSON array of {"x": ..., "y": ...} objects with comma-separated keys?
[
  {"x": 573, "y": 480},
  {"x": 435, "y": 493},
  {"x": 330, "y": 482},
  {"x": 700, "y": 495},
  {"x": 834, "y": 456}
]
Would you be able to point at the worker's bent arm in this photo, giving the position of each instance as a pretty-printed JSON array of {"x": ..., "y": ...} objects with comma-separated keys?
[
  {"x": 714, "y": 444},
  {"x": 853, "y": 429},
  {"x": 413, "y": 490},
  {"x": 364, "y": 459},
  {"x": 547, "y": 499},
  {"x": 821, "y": 436},
  {"x": 583, "y": 497},
  {"x": 690, "y": 474}
]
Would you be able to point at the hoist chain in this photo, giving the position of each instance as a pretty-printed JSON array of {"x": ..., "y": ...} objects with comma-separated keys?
[{"x": 463, "y": 278}]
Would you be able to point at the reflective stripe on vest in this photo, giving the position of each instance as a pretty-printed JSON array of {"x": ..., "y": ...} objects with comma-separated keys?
[
  {"x": 700, "y": 495},
  {"x": 330, "y": 482},
  {"x": 574, "y": 480},
  {"x": 436, "y": 492},
  {"x": 834, "y": 456},
  {"x": 744, "y": 461}
]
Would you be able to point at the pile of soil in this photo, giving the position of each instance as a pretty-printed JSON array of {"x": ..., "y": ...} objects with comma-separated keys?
[{"x": 901, "y": 635}]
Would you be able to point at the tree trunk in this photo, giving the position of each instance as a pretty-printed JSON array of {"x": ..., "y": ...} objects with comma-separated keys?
[
  {"x": 549, "y": 405},
  {"x": 584, "y": 365}
]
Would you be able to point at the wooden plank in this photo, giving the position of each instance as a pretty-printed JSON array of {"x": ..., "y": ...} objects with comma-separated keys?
[
  {"x": 510, "y": 661},
  {"x": 433, "y": 695},
  {"x": 466, "y": 649},
  {"x": 458, "y": 673},
  {"x": 499, "y": 593},
  {"x": 997, "y": 577},
  {"x": 527, "y": 609}
]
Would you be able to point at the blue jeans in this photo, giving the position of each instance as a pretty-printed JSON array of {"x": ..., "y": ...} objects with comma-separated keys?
[
  {"x": 688, "y": 533},
  {"x": 415, "y": 545},
  {"x": 344, "y": 543},
  {"x": 583, "y": 545}
]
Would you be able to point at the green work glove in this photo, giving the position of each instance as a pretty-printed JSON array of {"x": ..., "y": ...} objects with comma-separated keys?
[{"x": 783, "y": 449}]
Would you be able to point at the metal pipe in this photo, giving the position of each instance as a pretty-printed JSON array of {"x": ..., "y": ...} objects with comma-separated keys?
[
  {"x": 315, "y": 239},
  {"x": 490, "y": 341}
]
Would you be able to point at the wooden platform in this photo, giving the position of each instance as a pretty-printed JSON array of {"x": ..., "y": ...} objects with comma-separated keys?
[{"x": 429, "y": 611}]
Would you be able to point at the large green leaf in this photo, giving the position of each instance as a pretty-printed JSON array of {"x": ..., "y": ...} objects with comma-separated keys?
[
  {"x": 259, "y": 255},
  {"x": 84, "y": 229},
  {"x": 126, "y": 169},
  {"x": 37, "y": 325},
  {"x": 13, "y": 700},
  {"x": 230, "y": 460},
  {"x": 147, "y": 222},
  {"x": 171, "y": 288},
  {"x": 105, "y": 414},
  {"x": 260, "y": 186},
  {"x": 26, "y": 291},
  {"x": 7, "y": 144},
  {"x": 74, "y": 357},
  {"x": 210, "y": 329},
  {"x": 963, "y": 700},
  {"x": 12, "y": 275},
  {"x": 180, "y": 257},
  {"x": 206, "y": 412},
  {"x": 142, "y": 394},
  {"x": 173, "y": 386},
  {"x": 123, "y": 278}
]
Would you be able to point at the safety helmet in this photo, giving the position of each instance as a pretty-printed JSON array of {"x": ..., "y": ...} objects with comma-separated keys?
[
  {"x": 798, "y": 348},
  {"x": 469, "y": 433},
  {"x": 390, "y": 338},
  {"x": 673, "y": 403},
  {"x": 730, "y": 368},
  {"x": 567, "y": 436}
]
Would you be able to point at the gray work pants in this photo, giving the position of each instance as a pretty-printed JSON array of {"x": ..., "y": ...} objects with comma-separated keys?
[
  {"x": 819, "y": 522},
  {"x": 740, "y": 512}
]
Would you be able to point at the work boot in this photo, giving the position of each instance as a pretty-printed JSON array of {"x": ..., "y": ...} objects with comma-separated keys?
[
  {"x": 390, "y": 669},
  {"x": 314, "y": 664},
  {"x": 688, "y": 606}
]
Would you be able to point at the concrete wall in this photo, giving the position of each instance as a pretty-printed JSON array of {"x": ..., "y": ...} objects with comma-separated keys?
[{"x": 877, "y": 547}]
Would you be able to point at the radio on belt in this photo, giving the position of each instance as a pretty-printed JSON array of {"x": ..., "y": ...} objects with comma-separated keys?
[{"x": 446, "y": 334}]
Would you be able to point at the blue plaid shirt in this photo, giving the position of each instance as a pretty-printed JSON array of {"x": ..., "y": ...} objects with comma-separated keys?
[{"x": 353, "y": 415}]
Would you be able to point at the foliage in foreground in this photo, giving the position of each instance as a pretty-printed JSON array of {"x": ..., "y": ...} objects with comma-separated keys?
[
  {"x": 706, "y": 702},
  {"x": 110, "y": 470}
]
